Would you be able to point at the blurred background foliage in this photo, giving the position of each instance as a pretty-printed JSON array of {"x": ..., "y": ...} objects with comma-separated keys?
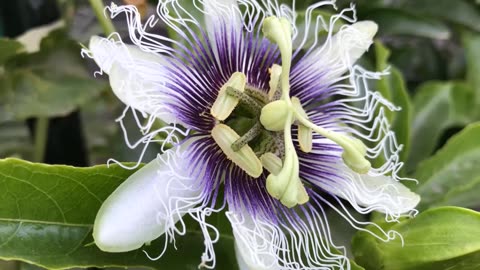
[{"x": 53, "y": 110}]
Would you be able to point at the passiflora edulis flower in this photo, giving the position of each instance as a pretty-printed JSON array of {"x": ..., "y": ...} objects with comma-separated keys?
[{"x": 283, "y": 123}]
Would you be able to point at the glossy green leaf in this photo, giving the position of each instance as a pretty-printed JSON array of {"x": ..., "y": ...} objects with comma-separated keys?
[
  {"x": 459, "y": 11},
  {"x": 52, "y": 82},
  {"x": 437, "y": 239},
  {"x": 47, "y": 213},
  {"x": 452, "y": 175},
  {"x": 9, "y": 48},
  {"x": 438, "y": 106},
  {"x": 398, "y": 22},
  {"x": 471, "y": 43}
]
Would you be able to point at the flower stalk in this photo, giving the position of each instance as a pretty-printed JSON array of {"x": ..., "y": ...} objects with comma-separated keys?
[
  {"x": 105, "y": 22},
  {"x": 41, "y": 137}
]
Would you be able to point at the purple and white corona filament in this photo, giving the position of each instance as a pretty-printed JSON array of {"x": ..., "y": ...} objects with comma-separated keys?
[{"x": 277, "y": 119}]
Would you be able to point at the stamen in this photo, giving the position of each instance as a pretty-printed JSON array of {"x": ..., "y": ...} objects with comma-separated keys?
[
  {"x": 305, "y": 138},
  {"x": 247, "y": 137},
  {"x": 245, "y": 99},
  {"x": 225, "y": 103},
  {"x": 305, "y": 134},
  {"x": 244, "y": 158},
  {"x": 271, "y": 162},
  {"x": 353, "y": 149}
]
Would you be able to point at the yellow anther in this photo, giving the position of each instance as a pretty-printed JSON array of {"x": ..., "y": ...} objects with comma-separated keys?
[
  {"x": 225, "y": 103},
  {"x": 305, "y": 138},
  {"x": 244, "y": 158},
  {"x": 305, "y": 134},
  {"x": 271, "y": 163}
]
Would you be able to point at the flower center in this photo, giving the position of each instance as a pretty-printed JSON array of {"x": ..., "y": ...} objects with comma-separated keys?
[{"x": 254, "y": 129}]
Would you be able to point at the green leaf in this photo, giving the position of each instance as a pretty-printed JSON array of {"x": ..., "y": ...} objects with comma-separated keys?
[
  {"x": 393, "y": 88},
  {"x": 9, "y": 48},
  {"x": 47, "y": 213},
  {"x": 398, "y": 22},
  {"x": 52, "y": 82},
  {"x": 452, "y": 175},
  {"x": 438, "y": 106},
  {"x": 441, "y": 238},
  {"x": 471, "y": 43},
  {"x": 459, "y": 11}
]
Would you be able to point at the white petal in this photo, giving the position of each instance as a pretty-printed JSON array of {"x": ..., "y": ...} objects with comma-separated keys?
[
  {"x": 343, "y": 49},
  {"x": 374, "y": 192},
  {"x": 148, "y": 203},
  {"x": 357, "y": 42},
  {"x": 397, "y": 199},
  {"x": 137, "y": 78},
  {"x": 254, "y": 245},
  {"x": 33, "y": 37}
]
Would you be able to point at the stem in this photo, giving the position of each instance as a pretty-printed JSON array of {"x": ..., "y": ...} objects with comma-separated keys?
[
  {"x": 105, "y": 22},
  {"x": 41, "y": 136}
]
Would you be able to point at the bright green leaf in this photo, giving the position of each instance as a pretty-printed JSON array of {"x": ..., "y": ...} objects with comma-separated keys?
[
  {"x": 438, "y": 106},
  {"x": 9, "y": 48},
  {"x": 441, "y": 238},
  {"x": 398, "y": 22},
  {"x": 47, "y": 213},
  {"x": 452, "y": 175}
]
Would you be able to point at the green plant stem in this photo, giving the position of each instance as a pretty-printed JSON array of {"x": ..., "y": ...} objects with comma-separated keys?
[
  {"x": 41, "y": 136},
  {"x": 105, "y": 22}
]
